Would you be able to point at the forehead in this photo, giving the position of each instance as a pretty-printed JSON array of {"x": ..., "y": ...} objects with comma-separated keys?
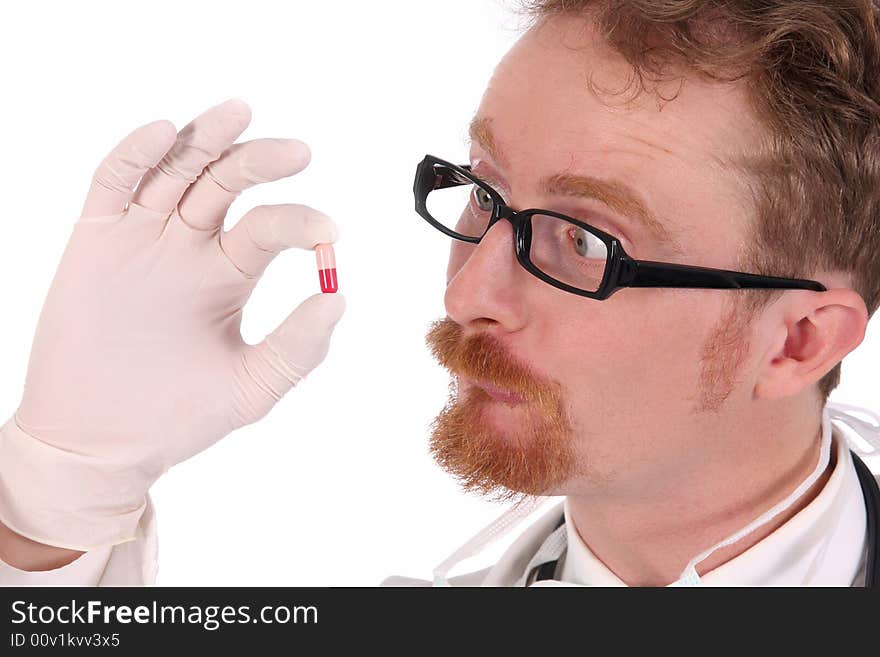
[{"x": 545, "y": 120}]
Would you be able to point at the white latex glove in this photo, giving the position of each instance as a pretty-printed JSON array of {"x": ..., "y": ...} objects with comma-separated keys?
[{"x": 138, "y": 361}]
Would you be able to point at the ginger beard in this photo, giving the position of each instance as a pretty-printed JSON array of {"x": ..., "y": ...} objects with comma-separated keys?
[
  {"x": 529, "y": 452},
  {"x": 533, "y": 451}
]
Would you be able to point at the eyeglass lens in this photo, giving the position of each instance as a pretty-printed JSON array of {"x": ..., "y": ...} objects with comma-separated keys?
[{"x": 562, "y": 250}]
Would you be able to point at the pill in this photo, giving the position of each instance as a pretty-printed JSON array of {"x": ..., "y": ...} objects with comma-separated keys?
[{"x": 326, "y": 267}]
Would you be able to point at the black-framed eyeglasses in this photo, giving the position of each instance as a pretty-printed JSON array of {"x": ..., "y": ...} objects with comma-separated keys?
[{"x": 560, "y": 250}]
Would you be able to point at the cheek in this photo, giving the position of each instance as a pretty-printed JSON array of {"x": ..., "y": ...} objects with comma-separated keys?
[{"x": 636, "y": 351}]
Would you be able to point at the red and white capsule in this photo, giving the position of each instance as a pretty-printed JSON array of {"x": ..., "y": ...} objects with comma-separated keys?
[{"x": 326, "y": 258}]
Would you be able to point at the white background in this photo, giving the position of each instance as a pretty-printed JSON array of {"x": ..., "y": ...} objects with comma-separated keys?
[{"x": 335, "y": 486}]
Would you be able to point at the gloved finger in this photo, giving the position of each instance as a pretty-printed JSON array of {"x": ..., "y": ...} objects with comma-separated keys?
[
  {"x": 272, "y": 367},
  {"x": 205, "y": 204},
  {"x": 266, "y": 230},
  {"x": 200, "y": 142},
  {"x": 122, "y": 168}
]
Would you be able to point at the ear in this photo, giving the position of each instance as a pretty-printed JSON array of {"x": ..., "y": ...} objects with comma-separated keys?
[{"x": 815, "y": 331}]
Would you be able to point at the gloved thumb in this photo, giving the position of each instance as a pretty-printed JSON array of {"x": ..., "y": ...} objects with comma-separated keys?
[
  {"x": 302, "y": 340},
  {"x": 288, "y": 354}
]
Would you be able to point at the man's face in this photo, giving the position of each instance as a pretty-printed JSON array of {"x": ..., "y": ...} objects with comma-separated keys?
[{"x": 622, "y": 391}]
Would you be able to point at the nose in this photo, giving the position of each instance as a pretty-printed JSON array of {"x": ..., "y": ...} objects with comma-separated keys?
[{"x": 485, "y": 283}]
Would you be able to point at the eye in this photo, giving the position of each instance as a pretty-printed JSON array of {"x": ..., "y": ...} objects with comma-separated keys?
[
  {"x": 483, "y": 199},
  {"x": 586, "y": 244}
]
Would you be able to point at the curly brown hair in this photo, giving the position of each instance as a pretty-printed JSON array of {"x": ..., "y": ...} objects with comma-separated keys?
[{"x": 813, "y": 76}]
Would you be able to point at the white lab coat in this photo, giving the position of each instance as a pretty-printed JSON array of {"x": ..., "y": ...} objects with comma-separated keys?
[{"x": 839, "y": 505}]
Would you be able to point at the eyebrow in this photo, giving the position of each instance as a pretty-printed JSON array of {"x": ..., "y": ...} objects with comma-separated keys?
[{"x": 616, "y": 195}]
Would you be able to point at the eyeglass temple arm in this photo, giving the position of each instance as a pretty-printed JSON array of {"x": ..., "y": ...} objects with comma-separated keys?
[{"x": 645, "y": 273}]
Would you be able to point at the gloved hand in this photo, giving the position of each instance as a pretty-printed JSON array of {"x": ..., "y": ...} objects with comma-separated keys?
[{"x": 138, "y": 361}]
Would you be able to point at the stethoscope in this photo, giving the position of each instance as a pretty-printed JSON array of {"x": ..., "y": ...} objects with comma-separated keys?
[{"x": 871, "y": 493}]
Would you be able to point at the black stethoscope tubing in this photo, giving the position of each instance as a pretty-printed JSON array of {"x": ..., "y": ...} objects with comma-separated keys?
[{"x": 870, "y": 492}]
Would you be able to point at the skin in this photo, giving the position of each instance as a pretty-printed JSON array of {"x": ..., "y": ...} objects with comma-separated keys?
[
  {"x": 685, "y": 425},
  {"x": 25, "y": 554}
]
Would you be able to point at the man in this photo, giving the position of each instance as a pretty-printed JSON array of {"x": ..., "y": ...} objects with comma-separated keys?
[{"x": 684, "y": 423}]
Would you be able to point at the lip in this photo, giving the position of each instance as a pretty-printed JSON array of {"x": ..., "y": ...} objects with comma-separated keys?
[{"x": 496, "y": 393}]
